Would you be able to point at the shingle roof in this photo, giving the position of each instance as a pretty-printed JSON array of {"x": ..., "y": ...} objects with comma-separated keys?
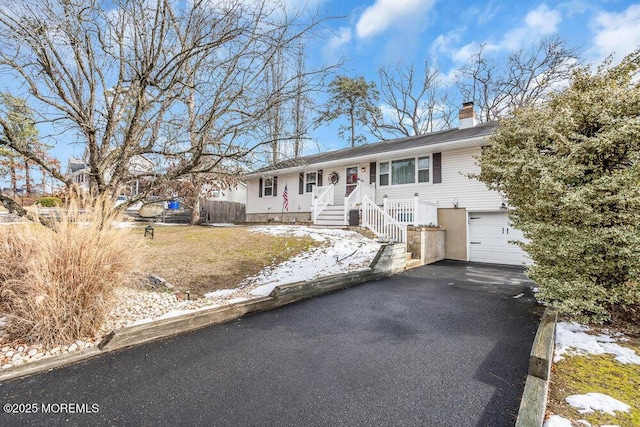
[{"x": 433, "y": 138}]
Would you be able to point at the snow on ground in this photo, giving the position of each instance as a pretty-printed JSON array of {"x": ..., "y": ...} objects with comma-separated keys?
[
  {"x": 572, "y": 338},
  {"x": 342, "y": 252},
  {"x": 557, "y": 421},
  {"x": 590, "y": 402}
]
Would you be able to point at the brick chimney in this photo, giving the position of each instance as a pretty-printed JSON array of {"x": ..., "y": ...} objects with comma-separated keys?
[{"x": 467, "y": 116}]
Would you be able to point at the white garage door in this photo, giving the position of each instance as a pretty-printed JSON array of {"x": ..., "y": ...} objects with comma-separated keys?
[{"x": 490, "y": 234}]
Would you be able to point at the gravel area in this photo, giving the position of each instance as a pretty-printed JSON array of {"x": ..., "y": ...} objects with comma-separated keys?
[{"x": 345, "y": 251}]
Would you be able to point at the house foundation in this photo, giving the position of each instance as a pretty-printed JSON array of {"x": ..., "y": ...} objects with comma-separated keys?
[{"x": 426, "y": 244}]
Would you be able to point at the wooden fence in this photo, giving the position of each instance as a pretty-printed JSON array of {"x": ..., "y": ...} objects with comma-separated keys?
[{"x": 217, "y": 211}]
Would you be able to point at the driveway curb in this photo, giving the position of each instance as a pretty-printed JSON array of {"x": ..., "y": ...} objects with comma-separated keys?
[
  {"x": 534, "y": 398},
  {"x": 389, "y": 260}
]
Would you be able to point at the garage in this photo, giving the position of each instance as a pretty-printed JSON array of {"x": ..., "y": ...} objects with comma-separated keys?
[{"x": 490, "y": 234}]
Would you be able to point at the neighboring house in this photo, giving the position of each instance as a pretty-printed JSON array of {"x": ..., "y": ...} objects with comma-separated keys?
[
  {"x": 419, "y": 180},
  {"x": 78, "y": 171},
  {"x": 236, "y": 193}
]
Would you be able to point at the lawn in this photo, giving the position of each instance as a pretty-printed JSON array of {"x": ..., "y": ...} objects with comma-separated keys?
[
  {"x": 591, "y": 373},
  {"x": 204, "y": 259}
]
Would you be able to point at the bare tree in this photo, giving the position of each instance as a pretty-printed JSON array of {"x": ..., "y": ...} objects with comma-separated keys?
[
  {"x": 415, "y": 103},
  {"x": 301, "y": 106},
  {"x": 176, "y": 83},
  {"x": 500, "y": 86}
]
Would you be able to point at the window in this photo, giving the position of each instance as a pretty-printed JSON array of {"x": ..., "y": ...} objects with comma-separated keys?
[
  {"x": 310, "y": 181},
  {"x": 403, "y": 171},
  {"x": 423, "y": 169},
  {"x": 268, "y": 187},
  {"x": 384, "y": 173}
]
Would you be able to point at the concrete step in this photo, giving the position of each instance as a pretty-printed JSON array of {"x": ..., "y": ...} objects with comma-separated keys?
[
  {"x": 329, "y": 221},
  {"x": 331, "y": 216}
]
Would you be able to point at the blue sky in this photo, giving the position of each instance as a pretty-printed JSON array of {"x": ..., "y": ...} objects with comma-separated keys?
[
  {"x": 374, "y": 33},
  {"x": 379, "y": 32}
]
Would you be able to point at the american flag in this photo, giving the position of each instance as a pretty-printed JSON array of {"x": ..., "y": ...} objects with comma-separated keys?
[{"x": 285, "y": 198}]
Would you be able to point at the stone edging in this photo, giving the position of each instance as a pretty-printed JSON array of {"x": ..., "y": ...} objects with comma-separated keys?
[
  {"x": 389, "y": 260},
  {"x": 534, "y": 398}
]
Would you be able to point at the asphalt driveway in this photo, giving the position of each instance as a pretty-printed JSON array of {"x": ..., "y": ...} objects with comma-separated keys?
[{"x": 440, "y": 345}]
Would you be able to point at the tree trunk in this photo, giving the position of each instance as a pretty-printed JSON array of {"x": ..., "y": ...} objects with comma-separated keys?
[
  {"x": 27, "y": 177},
  {"x": 195, "y": 213},
  {"x": 353, "y": 128},
  {"x": 14, "y": 177}
]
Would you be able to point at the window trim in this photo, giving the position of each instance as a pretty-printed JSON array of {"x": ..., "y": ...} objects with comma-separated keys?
[
  {"x": 387, "y": 173},
  {"x": 428, "y": 169},
  {"x": 265, "y": 186},
  {"x": 416, "y": 180},
  {"x": 307, "y": 182}
]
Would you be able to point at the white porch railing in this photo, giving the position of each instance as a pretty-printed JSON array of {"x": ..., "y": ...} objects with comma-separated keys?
[
  {"x": 322, "y": 197},
  {"x": 383, "y": 225},
  {"x": 352, "y": 200},
  {"x": 412, "y": 211}
]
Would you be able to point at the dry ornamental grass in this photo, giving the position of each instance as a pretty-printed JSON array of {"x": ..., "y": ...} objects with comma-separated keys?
[{"x": 56, "y": 284}]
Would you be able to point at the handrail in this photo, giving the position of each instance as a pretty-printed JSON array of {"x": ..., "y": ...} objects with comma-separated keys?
[
  {"x": 352, "y": 200},
  {"x": 322, "y": 201},
  {"x": 412, "y": 211},
  {"x": 381, "y": 224}
]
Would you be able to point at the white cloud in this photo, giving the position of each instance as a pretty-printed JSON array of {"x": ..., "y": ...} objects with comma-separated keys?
[
  {"x": 384, "y": 13},
  {"x": 336, "y": 42},
  {"x": 442, "y": 43},
  {"x": 543, "y": 20},
  {"x": 464, "y": 53},
  {"x": 539, "y": 22},
  {"x": 617, "y": 32}
]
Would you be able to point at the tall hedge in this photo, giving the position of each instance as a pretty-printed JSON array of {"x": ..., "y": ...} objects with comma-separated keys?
[{"x": 570, "y": 171}]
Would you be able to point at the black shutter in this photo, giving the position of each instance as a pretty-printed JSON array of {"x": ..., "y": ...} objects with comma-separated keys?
[
  {"x": 437, "y": 168},
  {"x": 319, "y": 180},
  {"x": 301, "y": 183},
  {"x": 275, "y": 186},
  {"x": 372, "y": 172},
  {"x": 260, "y": 187}
]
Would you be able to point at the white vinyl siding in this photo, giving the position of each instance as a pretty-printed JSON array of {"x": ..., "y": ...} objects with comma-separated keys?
[
  {"x": 456, "y": 166},
  {"x": 471, "y": 194}
]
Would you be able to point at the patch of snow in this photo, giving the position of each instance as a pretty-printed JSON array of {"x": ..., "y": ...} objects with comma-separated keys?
[
  {"x": 3, "y": 322},
  {"x": 557, "y": 421},
  {"x": 571, "y": 338},
  {"x": 344, "y": 251},
  {"x": 596, "y": 402},
  {"x": 220, "y": 293},
  {"x": 239, "y": 299},
  {"x": 521, "y": 294},
  {"x": 220, "y": 224},
  {"x": 584, "y": 423},
  {"x": 263, "y": 290}
]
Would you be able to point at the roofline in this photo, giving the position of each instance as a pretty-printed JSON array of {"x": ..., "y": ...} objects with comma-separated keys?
[{"x": 453, "y": 144}]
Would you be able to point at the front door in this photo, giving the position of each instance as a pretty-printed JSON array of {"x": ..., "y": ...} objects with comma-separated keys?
[{"x": 352, "y": 180}]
